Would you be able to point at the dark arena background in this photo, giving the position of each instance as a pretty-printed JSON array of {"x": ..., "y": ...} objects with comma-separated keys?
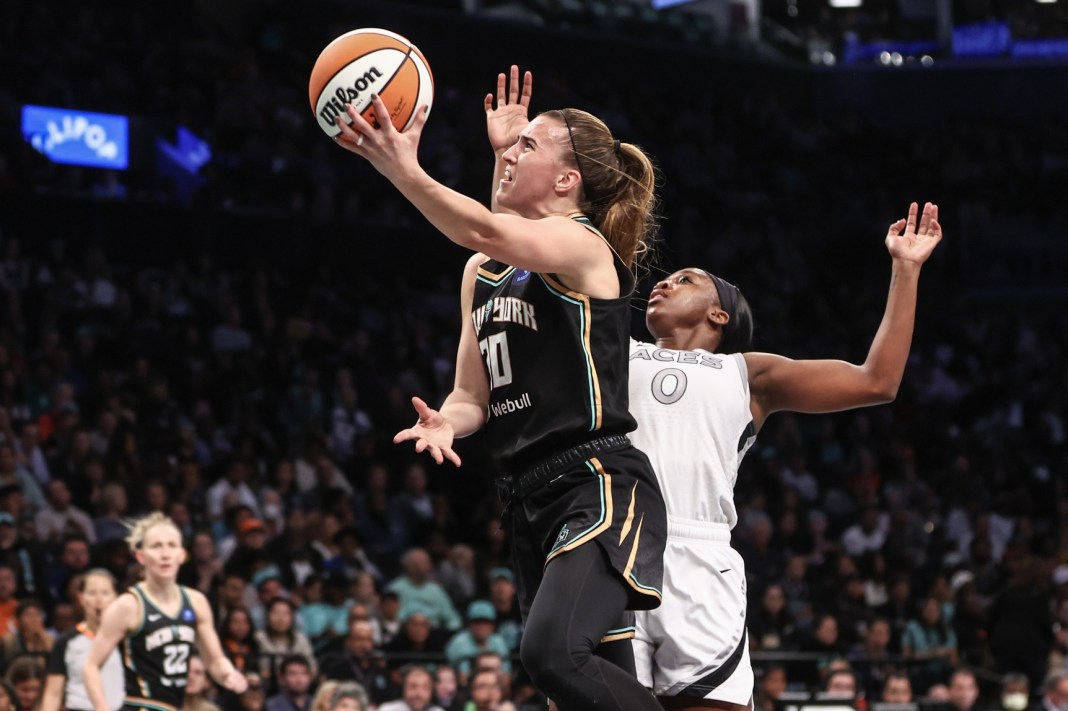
[{"x": 209, "y": 309}]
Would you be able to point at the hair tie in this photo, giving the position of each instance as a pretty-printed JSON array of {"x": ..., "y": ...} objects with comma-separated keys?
[{"x": 615, "y": 146}]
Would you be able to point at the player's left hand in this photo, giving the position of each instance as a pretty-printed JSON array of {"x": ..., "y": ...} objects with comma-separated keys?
[
  {"x": 236, "y": 682},
  {"x": 916, "y": 243},
  {"x": 504, "y": 123}
]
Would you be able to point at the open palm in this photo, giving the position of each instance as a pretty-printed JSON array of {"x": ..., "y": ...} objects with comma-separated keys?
[
  {"x": 505, "y": 122},
  {"x": 432, "y": 434},
  {"x": 917, "y": 242}
]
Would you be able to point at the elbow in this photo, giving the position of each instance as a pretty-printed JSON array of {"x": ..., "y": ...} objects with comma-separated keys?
[{"x": 885, "y": 391}]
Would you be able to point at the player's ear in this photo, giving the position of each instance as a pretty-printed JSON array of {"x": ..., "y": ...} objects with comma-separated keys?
[
  {"x": 570, "y": 179},
  {"x": 718, "y": 317}
]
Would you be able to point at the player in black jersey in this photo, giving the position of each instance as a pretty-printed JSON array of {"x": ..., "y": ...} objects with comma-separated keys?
[
  {"x": 542, "y": 366},
  {"x": 158, "y": 622}
]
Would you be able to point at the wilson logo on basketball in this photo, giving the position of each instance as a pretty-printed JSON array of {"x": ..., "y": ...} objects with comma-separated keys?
[{"x": 335, "y": 106}]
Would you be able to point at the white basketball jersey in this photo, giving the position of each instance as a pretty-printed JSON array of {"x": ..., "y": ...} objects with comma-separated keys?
[{"x": 694, "y": 424}]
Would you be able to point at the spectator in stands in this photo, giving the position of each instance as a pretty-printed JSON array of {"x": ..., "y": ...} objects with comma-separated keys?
[
  {"x": 199, "y": 688},
  {"x": 351, "y": 560},
  {"x": 294, "y": 682},
  {"x": 114, "y": 504},
  {"x": 486, "y": 691},
  {"x": 841, "y": 684},
  {"x": 1015, "y": 693},
  {"x": 14, "y": 474},
  {"x": 359, "y": 661},
  {"x": 73, "y": 560},
  {"x": 478, "y": 637},
  {"x": 29, "y": 636},
  {"x": 1019, "y": 619},
  {"x": 232, "y": 489},
  {"x": 237, "y": 635},
  {"x": 447, "y": 692},
  {"x": 417, "y": 640},
  {"x": 867, "y": 535},
  {"x": 870, "y": 659},
  {"x": 417, "y": 692},
  {"x": 324, "y": 614},
  {"x": 1055, "y": 691},
  {"x": 28, "y": 449},
  {"x": 771, "y": 626},
  {"x": 505, "y": 603},
  {"x": 417, "y": 591},
  {"x": 456, "y": 574},
  {"x": 963, "y": 690},
  {"x": 26, "y": 677},
  {"x": 771, "y": 686},
  {"x": 60, "y": 518},
  {"x": 932, "y": 639},
  {"x": 897, "y": 688},
  {"x": 346, "y": 696},
  {"x": 281, "y": 639}
]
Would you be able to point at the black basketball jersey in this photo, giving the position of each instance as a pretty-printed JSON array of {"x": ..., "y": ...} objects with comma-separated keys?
[
  {"x": 556, "y": 362},
  {"x": 156, "y": 655}
]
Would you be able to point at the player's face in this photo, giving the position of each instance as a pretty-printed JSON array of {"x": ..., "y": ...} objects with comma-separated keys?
[
  {"x": 161, "y": 551},
  {"x": 682, "y": 300},
  {"x": 533, "y": 166},
  {"x": 97, "y": 595}
]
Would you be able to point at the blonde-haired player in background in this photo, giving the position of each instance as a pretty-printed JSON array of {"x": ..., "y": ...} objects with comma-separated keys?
[{"x": 158, "y": 622}]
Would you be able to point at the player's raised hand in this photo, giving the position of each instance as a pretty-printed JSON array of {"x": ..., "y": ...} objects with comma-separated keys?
[
  {"x": 432, "y": 433},
  {"x": 509, "y": 118},
  {"x": 917, "y": 241}
]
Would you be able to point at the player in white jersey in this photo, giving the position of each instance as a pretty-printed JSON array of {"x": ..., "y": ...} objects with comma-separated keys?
[{"x": 699, "y": 401}]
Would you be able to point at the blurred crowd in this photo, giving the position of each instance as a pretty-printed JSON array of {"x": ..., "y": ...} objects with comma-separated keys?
[{"x": 924, "y": 543}]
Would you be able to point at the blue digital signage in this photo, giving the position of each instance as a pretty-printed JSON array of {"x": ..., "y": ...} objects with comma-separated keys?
[{"x": 78, "y": 137}]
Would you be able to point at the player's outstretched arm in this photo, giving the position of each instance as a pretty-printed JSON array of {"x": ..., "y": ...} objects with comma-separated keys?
[
  {"x": 779, "y": 383},
  {"x": 222, "y": 670},
  {"x": 546, "y": 244},
  {"x": 505, "y": 121},
  {"x": 118, "y": 619},
  {"x": 464, "y": 410}
]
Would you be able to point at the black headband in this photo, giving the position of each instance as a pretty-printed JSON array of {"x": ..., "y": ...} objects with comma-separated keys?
[
  {"x": 728, "y": 295},
  {"x": 728, "y": 300},
  {"x": 594, "y": 199}
]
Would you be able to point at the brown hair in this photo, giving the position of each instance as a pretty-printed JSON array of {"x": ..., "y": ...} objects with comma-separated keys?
[{"x": 618, "y": 184}]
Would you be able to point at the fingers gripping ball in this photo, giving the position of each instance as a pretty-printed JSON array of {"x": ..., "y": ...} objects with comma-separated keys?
[{"x": 364, "y": 62}]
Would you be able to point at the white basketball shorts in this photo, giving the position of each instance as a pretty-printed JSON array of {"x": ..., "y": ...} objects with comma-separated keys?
[{"x": 695, "y": 643}]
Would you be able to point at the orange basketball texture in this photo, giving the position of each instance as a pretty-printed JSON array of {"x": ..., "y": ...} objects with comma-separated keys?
[{"x": 364, "y": 62}]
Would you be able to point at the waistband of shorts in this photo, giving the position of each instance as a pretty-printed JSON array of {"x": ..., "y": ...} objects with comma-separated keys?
[
  {"x": 517, "y": 485},
  {"x": 698, "y": 530}
]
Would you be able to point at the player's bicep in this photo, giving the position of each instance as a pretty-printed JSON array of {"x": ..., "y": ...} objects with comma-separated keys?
[
  {"x": 118, "y": 620},
  {"x": 551, "y": 245},
  {"x": 207, "y": 638},
  {"x": 778, "y": 383},
  {"x": 470, "y": 378}
]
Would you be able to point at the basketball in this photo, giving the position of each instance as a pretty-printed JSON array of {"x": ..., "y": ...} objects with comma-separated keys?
[{"x": 364, "y": 62}]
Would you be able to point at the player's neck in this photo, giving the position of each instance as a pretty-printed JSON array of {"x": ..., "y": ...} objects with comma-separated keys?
[
  {"x": 688, "y": 339},
  {"x": 164, "y": 591}
]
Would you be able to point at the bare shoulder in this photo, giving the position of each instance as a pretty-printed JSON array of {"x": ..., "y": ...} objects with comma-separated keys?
[
  {"x": 198, "y": 600},
  {"x": 125, "y": 611}
]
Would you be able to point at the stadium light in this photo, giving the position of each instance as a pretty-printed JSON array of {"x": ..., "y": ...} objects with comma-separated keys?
[{"x": 845, "y": 3}]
